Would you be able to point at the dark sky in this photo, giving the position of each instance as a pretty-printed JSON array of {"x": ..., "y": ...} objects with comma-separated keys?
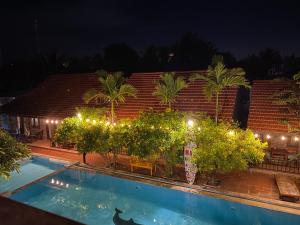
[{"x": 84, "y": 27}]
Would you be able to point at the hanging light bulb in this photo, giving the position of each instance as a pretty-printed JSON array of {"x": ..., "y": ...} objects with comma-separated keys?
[
  {"x": 283, "y": 138},
  {"x": 256, "y": 135},
  {"x": 231, "y": 132},
  {"x": 190, "y": 123},
  {"x": 88, "y": 120},
  {"x": 268, "y": 136},
  {"x": 56, "y": 121},
  {"x": 296, "y": 139},
  {"x": 94, "y": 121},
  {"x": 78, "y": 115},
  {"x": 47, "y": 121}
]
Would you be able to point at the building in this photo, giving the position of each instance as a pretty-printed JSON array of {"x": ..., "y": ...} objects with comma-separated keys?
[
  {"x": 269, "y": 121},
  {"x": 39, "y": 111}
]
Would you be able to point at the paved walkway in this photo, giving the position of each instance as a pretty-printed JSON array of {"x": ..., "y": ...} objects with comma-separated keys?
[{"x": 251, "y": 183}]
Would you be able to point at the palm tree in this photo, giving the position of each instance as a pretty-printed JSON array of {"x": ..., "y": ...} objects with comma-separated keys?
[
  {"x": 219, "y": 77},
  {"x": 168, "y": 87},
  {"x": 112, "y": 90}
]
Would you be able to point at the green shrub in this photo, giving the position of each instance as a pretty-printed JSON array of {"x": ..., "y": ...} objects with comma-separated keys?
[
  {"x": 11, "y": 151},
  {"x": 224, "y": 147}
]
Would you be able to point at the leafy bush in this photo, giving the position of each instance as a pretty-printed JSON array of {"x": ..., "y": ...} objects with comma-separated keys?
[
  {"x": 224, "y": 147},
  {"x": 158, "y": 134},
  {"x": 10, "y": 152},
  {"x": 68, "y": 131}
]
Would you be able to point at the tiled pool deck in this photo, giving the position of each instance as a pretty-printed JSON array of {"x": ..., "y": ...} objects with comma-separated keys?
[{"x": 257, "y": 183}]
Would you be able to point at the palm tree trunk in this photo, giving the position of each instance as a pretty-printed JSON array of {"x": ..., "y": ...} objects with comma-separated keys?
[
  {"x": 112, "y": 108},
  {"x": 217, "y": 107}
]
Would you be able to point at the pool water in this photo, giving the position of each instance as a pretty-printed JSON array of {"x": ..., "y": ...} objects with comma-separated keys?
[
  {"x": 91, "y": 198},
  {"x": 30, "y": 170}
]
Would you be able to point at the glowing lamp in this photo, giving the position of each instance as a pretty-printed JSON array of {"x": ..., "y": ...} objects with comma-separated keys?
[
  {"x": 268, "y": 136},
  {"x": 94, "y": 121},
  {"x": 199, "y": 128},
  {"x": 283, "y": 138},
  {"x": 256, "y": 135},
  {"x": 190, "y": 123},
  {"x": 56, "y": 121},
  {"x": 231, "y": 133},
  {"x": 296, "y": 139},
  {"x": 47, "y": 121},
  {"x": 52, "y": 121},
  {"x": 88, "y": 120},
  {"x": 78, "y": 115}
]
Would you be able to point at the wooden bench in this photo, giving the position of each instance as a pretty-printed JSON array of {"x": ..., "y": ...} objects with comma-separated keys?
[
  {"x": 137, "y": 163},
  {"x": 288, "y": 190}
]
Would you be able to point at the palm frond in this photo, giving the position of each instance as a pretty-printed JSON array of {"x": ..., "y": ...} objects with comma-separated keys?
[{"x": 92, "y": 94}]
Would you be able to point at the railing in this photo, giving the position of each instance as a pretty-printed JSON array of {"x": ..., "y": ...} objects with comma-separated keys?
[{"x": 279, "y": 165}]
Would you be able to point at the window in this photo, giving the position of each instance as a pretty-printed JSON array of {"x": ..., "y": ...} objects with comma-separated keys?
[{"x": 35, "y": 122}]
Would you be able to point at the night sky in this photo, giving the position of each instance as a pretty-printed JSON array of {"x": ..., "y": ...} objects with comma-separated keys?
[{"x": 84, "y": 27}]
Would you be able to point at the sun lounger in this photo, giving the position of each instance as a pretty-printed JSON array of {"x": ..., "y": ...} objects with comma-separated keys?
[{"x": 288, "y": 190}]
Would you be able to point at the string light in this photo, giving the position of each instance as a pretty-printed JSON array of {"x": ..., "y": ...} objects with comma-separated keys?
[
  {"x": 282, "y": 138},
  {"x": 296, "y": 139},
  {"x": 199, "y": 128},
  {"x": 268, "y": 136},
  {"x": 88, "y": 120},
  {"x": 256, "y": 135},
  {"x": 78, "y": 115},
  {"x": 231, "y": 133},
  {"x": 47, "y": 121},
  {"x": 107, "y": 123},
  {"x": 56, "y": 121},
  {"x": 94, "y": 121},
  {"x": 52, "y": 121},
  {"x": 114, "y": 124},
  {"x": 190, "y": 123}
]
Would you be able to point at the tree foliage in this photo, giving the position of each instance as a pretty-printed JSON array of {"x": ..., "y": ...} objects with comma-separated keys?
[
  {"x": 218, "y": 77},
  {"x": 224, "y": 147},
  {"x": 11, "y": 151},
  {"x": 168, "y": 88},
  {"x": 155, "y": 135},
  {"x": 112, "y": 90},
  {"x": 289, "y": 98}
]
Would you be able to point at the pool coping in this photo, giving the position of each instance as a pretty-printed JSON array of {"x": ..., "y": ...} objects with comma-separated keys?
[{"x": 271, "y": 204}]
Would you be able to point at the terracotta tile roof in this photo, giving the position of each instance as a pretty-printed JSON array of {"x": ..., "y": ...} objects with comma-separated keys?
[
  {"x": 263, "y": 114},
  {"x": 58, "y": 96},
  {"x": 190, "y": 99}
]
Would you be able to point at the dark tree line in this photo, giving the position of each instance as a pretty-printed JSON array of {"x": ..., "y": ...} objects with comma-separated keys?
[{"x": 189, "y": 53}]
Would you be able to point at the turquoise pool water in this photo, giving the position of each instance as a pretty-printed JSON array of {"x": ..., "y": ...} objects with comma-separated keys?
[
  {"x": 91, "y": 198},
  {"x": 30, "y": 170}
]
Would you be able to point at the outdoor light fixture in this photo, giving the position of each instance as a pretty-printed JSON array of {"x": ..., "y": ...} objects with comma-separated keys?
[
  {"x": 107, "y": 123},
  {"x": 296, "y": 139},
  {"x": 87, "y": 120},
  {"x": 268, "y": 136},
  {"x": 78, "y": 115},
  {"x": 256, "y": 135},
  {"x": 114, "y": 124},
  {"x": 283, "y": 138},
  {"x": 94, "y": 121},
  {"x": 231, "y": 133},
  {"x": 47, "y": 121},
  {"x": 56, "y": 121},
  {"x": 199, "y": 128},
  {"x": 190, "y": 123},
  {"x": 52, "y": 121}
]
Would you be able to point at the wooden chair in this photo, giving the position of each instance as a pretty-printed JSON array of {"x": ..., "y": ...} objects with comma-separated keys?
[{"x": 138, "y": 163}]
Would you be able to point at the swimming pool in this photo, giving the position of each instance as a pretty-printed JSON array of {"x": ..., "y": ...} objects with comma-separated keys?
[
  {"x": 30, "y": 170},
  {"x": 91, "y": 198}
]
